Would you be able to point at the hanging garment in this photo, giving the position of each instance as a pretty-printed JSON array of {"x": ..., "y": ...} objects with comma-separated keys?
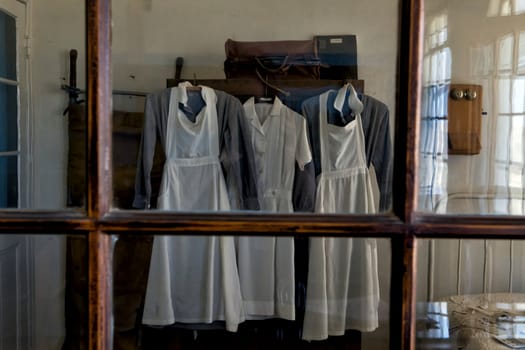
[
  {"x": 266, "y": 264},
  {"x": 343, "y": 285},
  {"x": 193, "y": 279},
  {"x": 236, "y": 152},
  {"x": 375, "y": 119}
]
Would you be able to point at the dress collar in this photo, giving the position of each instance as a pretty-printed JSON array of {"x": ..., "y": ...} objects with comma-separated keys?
[
  {"x": 356, "y": 106},
  {"x": 207, "y": 93},
  {"x": 275, "y": 111}
]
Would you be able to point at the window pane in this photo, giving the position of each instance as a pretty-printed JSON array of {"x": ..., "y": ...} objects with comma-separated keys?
[
  {"x": 471, "y": 156},
  {"x": 504, "y": 89},
  {"x": 519, "y": 6},
  {"x": 470, "y": 293},
  {"x": 252, "y": 136},
  {"x": 506, "y": 58},
  {"x": 8, "y": 118},
  {"x": 521, "y": 53},
  {"x": 503, "y": 133},
  {"x": 8, "y": 182},
  {"x": 518, "y": 96},
  {"x": 506, "y": 9},
  {"x": 43, "y": 296},
  {"x": 7, "y": 46},
  {"x": 252, "y": 292},
  {"x": 516, "y": 176}
]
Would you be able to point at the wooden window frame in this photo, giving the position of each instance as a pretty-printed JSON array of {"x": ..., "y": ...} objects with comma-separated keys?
[{"x": 404, "y": 226}]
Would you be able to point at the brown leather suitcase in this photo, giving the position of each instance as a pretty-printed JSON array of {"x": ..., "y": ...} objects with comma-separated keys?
[{"x": 285, "y": 59}]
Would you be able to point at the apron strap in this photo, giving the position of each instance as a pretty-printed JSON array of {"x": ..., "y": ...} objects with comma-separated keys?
[
  {"x": 209, "y": 96},
  {"x": 280, "y": 145},
  {"x": 323, "y": 131},
  {"x": 175, "y": 99},
  {"x": 360, "y": 138}
]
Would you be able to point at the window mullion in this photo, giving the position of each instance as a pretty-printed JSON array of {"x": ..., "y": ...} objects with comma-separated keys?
[
  {"x": 98, "y": 108},
  {"x": 405, "y": 184},
  {"x": 403, "y": 292},
  {"x": 98, "y": 157},
  {"x": 100, "y": 291},
  {"x": 407, "y": 110}
]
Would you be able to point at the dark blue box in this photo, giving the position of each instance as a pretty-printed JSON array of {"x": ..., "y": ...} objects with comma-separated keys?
[{"x": 338, "y": 55}]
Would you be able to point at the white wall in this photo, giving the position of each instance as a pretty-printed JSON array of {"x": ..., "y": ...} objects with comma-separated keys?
[
  {"x": 57, "y": 27},
  {"x": 147, "y": 37}
]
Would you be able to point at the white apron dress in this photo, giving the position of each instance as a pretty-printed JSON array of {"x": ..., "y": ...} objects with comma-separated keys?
[
  {"x": 266, "y": 264},
  {"x": 193, "y": 279},
  {"x": 343, "y": 285}
]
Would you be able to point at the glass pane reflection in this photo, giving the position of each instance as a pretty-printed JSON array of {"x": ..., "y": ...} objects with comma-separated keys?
[
  {"x": 251, "y": 292},
  {"x": 471, "y": 151},
  {"x": 470, "y": 294}
]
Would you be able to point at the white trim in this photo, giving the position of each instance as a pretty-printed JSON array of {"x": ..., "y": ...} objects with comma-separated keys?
[
  {"x": 459, "y": 267},
  {"x": 487, "y": 276},
  {"x": 23, "y": 27},
  {"x": 431, "y": 274},
  {"x": 511, "y": 269},
  {"x": 9, "y": 82},
  {"x": 29, "y": 132},
  {"x": 9, "y": 153}
]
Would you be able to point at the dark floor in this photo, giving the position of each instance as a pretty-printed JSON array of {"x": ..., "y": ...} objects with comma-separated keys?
[
  {"x": 247, "y": 338},
  {"x": 254, "y": 336}
]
